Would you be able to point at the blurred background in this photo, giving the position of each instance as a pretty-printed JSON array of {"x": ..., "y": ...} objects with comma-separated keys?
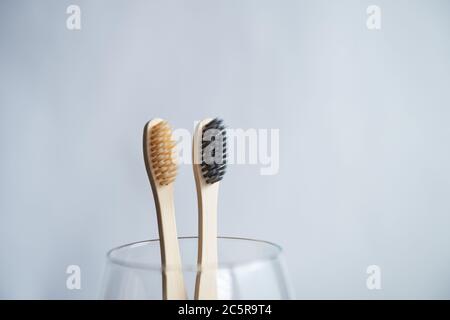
[{"x": 364, "y": 136}]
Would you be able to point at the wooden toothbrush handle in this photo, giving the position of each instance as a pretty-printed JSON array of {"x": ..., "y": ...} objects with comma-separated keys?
[
  {"x": 172, "y": 290},
  {"x": 206, "y": 285},
  {"x": 173, "y": 282},
  {"x": 206, "y": 282}
]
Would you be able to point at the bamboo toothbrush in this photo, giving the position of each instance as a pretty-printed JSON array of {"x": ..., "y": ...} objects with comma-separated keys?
[
  {"x": 160, "y": 162},
  {"x": 209, "y": 162}
]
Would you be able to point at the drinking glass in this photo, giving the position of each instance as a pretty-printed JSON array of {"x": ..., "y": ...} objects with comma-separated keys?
[{"x": 247, "y": 269}]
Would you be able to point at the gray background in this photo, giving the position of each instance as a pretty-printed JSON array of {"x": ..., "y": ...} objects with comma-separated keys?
[{"x": 364, "y": 128}]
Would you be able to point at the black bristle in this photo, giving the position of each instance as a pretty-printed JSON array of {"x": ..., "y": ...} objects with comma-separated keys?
[{"x": 214, "y": 166}]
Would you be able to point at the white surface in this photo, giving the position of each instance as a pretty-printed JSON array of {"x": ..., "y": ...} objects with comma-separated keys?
[{"x": 364, "y": 128}]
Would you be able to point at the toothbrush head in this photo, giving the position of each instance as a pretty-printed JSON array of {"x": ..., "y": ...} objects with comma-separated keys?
[
  {"x": 162, "y": 153},
  {"x": 214, "y": 147}
]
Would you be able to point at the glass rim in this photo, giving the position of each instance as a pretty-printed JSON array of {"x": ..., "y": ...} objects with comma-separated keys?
[{"x": 223, "y": 265}]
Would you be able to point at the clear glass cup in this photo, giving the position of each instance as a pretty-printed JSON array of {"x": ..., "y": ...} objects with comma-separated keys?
[{"x": 248, "y": 269}]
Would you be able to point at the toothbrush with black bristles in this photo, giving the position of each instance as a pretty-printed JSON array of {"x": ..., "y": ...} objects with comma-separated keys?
[{"x": 209, "y": 162}]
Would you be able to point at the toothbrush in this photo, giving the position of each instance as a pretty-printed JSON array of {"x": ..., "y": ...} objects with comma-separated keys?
[
  {"x": 209, "y": 162},
  {"x": 160, "y": 162}
]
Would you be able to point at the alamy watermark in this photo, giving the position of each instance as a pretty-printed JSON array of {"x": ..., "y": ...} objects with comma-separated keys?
[
  {"x": 243, "y": 146},
  {"x": 73, "y": 281},
  {"x": 373, "y": 281},
  {"x": 73, "y": 21},
  {"x": 374, "y": 17}
]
